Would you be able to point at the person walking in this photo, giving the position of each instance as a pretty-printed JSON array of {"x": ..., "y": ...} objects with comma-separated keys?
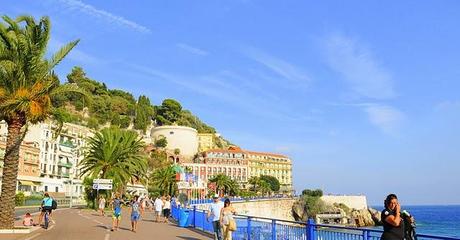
[
  {"x": 143, "y": 203},
  {"x": 227, "y": 221},
  {"x": 116, "y": 208},
  {"x": 158, "y": 204},
  {"x": 167, "y": 209},
  {"x": 214, "y": 213},
  {"x": 102, "y": 205},
  {"x": 393, "y": 226},
  {"x": 135, "y": 214}
]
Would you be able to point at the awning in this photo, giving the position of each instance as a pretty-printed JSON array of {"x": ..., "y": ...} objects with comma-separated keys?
[{"x": 26, "y": 183}]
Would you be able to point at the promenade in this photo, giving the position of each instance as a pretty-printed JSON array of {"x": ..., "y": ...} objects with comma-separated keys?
[{"x": 83, "y": 224}]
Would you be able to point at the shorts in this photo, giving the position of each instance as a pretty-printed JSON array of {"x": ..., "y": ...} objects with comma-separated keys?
[
  {"x": 135, "y": 217},
  {"x": 116, "y": 214},
  {"x": 166, "y": 212},
  {"x": 158, "y": 213},
  {"x": 47, "y": 209}
]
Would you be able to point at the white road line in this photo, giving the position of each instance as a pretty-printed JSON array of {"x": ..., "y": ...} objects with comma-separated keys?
[
  {"x": 107, "y": 236},
  {"x": 33, "y": 236}
]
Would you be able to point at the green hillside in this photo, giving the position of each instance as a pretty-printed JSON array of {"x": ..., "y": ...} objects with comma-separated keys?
[{"x": 117, "y": 107}]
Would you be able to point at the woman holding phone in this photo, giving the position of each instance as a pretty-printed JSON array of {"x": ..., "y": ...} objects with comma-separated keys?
[{"x": 393, "y": 225}]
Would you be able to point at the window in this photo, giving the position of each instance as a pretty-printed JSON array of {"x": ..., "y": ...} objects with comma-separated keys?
[
  {"x": 57, "y": 189},
  {"x": 171, "y": 132},
  {"x": 46, "y": 188}
]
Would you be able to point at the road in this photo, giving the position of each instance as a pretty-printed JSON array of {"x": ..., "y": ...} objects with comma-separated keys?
[{"x": 78, "y": 224}]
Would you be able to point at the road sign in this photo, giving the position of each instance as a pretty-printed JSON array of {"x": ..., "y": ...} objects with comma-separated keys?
[
  {"x": 100, "y": 180},
  {"x": 102, "y": 186}
]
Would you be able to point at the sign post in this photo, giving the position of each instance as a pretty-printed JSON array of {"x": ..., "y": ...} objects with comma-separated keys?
[{"x": 103, "y": 184}]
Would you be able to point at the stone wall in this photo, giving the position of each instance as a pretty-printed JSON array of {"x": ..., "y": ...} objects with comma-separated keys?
[
  {"x": 276, "y": 208},
  {"x": 356, "y": 202}
]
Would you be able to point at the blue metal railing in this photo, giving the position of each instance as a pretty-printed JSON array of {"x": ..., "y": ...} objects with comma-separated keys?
[
  {"x": 259, "y": 228},
  {"x": 235, "y": 199}
]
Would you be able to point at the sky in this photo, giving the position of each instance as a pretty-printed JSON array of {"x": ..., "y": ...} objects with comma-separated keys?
[{"x": 363, "y": 96}]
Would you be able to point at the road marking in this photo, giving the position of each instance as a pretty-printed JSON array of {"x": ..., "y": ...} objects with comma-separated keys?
[
  {"x": 107, "y": 236},
  {"x": 33, "y": 236}
]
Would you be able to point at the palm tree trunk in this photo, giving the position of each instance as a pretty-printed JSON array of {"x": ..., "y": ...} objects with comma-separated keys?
[{"x": 10, "y": 171}]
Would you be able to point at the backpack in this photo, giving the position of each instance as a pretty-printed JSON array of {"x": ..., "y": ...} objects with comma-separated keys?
[{"x": 54, "y": 204}]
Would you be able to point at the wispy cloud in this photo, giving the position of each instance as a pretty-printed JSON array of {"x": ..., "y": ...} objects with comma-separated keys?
[
  {"x": 386, "y": 118},
  {"x": 225, "y": 87},
  {"x": 358, "y": 66},
  {"x": 193, "y": 50},
  {"x": 281, "y": 67},
  {"x": 102, "y": 14}
]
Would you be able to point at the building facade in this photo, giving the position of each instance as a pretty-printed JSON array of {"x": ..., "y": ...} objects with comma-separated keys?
[
  {"x": 28, "y": 180},
  {"x": 205, "y": 141},
  {"x": 276, "y": 165},
  {"x": 58, "y": 158}
]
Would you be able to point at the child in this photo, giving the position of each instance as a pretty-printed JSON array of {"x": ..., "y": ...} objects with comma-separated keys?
[
  {"x": 28, "y": 221},
  {"x": 134, "y": 213}
]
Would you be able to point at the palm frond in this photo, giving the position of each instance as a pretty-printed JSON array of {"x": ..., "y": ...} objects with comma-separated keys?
[{"x": 59, "y": 55}]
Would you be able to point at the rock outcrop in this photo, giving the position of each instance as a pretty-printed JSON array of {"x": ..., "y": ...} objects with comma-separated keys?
[
  {"x": 358, "y": 218},
  {"x": 376, "y": 216},
  {"x": 299, "y": 212},
  {"x": 361, "y": 218}
]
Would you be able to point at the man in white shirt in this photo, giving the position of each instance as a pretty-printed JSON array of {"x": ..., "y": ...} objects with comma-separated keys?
[
  {"x": 158, "y": 208},
  {"x": 214, "y": 214}
]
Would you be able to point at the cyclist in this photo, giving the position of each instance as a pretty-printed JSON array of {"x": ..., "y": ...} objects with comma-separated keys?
[{"x": 46, "y": 206}]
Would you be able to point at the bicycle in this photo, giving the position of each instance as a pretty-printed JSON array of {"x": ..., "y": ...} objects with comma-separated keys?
[{"x": 46, "y": 217}]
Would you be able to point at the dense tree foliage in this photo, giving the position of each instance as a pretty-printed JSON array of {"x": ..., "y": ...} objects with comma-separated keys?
[
  {"x": 168, "y": 112},
  {"x": 272, "y": 181},
  {"x": 144, "y": 113},
  {"x": 312, "y": 193}
]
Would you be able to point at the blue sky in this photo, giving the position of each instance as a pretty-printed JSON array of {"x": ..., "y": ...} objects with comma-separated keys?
[{"x": 362, "y": 95}]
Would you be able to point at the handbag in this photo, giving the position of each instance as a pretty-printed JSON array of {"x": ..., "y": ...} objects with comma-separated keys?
[{"x": 232, "y": 225}]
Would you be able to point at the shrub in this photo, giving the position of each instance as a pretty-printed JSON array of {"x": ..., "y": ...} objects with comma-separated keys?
[{"x": 19, "y": 199}]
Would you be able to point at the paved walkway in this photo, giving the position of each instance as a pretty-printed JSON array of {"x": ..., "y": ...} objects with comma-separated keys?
[{"x": 75, "y": 224}]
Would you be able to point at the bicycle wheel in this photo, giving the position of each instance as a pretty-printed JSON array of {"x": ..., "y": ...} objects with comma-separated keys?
[{"x": 46, "y": 220}]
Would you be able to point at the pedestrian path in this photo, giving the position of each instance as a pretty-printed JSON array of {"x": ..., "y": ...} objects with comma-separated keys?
[{"x": 76, "y": 224}]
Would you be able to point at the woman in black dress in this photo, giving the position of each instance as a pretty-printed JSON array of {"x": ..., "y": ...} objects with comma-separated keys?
[{"x": 393, "y": 226}]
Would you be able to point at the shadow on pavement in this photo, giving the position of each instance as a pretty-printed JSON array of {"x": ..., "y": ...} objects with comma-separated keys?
[{"x": 187, "y": 238}]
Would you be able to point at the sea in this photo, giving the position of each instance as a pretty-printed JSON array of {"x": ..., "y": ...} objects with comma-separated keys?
[{"x": 436, "y": 220}]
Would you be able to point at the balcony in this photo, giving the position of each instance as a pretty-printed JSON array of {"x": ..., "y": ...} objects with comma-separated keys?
[
  {"x": 65, "y": 175},
  {"x": 65, "y": 164}
]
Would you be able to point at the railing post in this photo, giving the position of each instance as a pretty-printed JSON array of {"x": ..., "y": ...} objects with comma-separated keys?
[
  {"x": 249, "y": 228},
  {"x": 194, "y": 216},
  {"x": 311, "y": 229},
  {"x": 273, "y": 229},
  {"x": 366, "y": 235}
]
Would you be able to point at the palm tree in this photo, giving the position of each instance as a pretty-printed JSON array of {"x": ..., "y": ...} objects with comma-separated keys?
[
  {"x": 115, "y": 154},
  {"x": 27, "y": 84},
  {"x": 165, "y": 180},
  {"x": 224, "y": 184}
]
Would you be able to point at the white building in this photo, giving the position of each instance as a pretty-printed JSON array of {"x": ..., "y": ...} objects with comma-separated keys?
[
  {"x": 59, "y": 156},
  {"x": 179, "y": 137}
]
